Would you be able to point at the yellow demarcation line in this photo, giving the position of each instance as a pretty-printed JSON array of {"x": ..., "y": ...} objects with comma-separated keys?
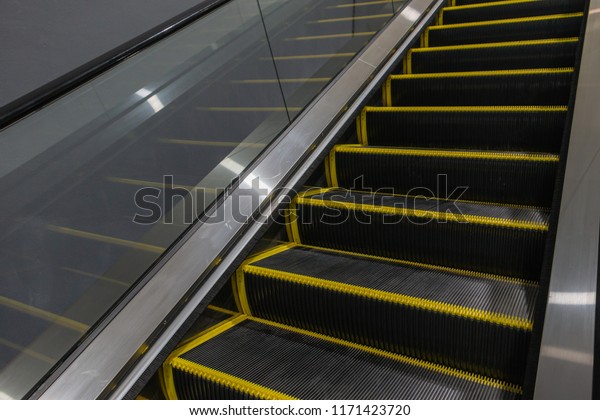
[
  {"x": 353, "y": 18},
  {"x": 450, "y": 270},
  {"x": 399, "y": 299},
  {"x": 361, "y": 120},
  {"x": 479, "y": 379},
  {"x": 480, "y": 5},
  {"x": 331, "y": 170},
  {"x": 202, "y": 335},
  {"x": 425, "y": 36},
  {"x": 331, "y": 36},
  {"x": 360, "y": 4},
  {"x": 106, "y": 239},
  {"x": 387, "y": 87},
  {"x": 407, "y": 61},
  {"x": 223, "y": 310},
  {"x": 427, "y": 214},
  {"x": 43, "y": 314},
  {"x": 452, "y": 154}
]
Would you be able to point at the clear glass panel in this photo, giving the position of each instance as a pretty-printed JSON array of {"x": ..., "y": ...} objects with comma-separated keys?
[
  {"x": 69, "y": 176},
  {"x": 96, "y": 186},
  {"x": 313, "y": 40}
]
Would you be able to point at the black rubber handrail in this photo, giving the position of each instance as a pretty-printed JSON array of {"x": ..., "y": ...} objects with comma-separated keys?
[{"x": 51, "y": 91}]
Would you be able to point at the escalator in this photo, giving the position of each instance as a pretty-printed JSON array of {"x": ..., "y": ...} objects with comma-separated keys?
[{"x": 414, "y": 270}]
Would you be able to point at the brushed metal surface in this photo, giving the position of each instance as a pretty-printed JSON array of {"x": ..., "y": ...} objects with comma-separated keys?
[{"x": 565, "y": 368}]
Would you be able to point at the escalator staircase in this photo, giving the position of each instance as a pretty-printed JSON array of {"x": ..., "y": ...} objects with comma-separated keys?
[{"x": 390, "y": 287}]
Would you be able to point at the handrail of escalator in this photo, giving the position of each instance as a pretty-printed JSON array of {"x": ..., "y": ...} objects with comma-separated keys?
[{"x": 47, "y": 93}]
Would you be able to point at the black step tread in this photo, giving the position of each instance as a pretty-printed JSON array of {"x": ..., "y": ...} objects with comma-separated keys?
[
  {"x": 305, "y": 365},
  {"x": 505, "y": 30},
  {"x": 498, "y": 177},
  {"x": 481, "y": 213},
  {"x": 515, "y": 128},
  {"x": 549, "y": 53},
  {"x": 503, "y": 240},
  {"x": 508, "y": 10},
  {"x": 510, "y": 299},
  {"x": 480, "y": 88}
]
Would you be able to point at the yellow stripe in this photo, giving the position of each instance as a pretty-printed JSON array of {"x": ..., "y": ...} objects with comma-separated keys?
[
  {"x": 495, "y": 45},
  {"x": 353, "y": 18},
  {"x": 399, "y": 299},
  {"x": 493, "y": 383},
  {"x": 480, "y": 73},
  {"x": 267, "y": 81},
  {"x": 331, "y": 36},
  {"x": 505, "y": 21},
  {"x": 451, "y": 154},
  {"x": 313, "y": 56},
  {"x": 236, "y": 294},
  {"x": 43, "y": 314},
  {"x": 223, "y": 310},
  {"x": 213, "y": 143},
  {"x": 248, "y": 108},
  {"x": 387, "y": 91},
  {"x": 96, "y": 276},
  {"x": 527, "y": 108},
  {"x": 328, "y": 171},
  {"x": 361, "y": 124},
  {"x": 332, "y": 170},
  {"x": 205, "y": 336},
  {"x": 294, "y": 219},
  {"x": 457, "y": 271},
  {"x": 106, "y": 239},
  {"x": 28, "y": 352},
  {"x": 201, "y": 337},
  {"x": 268, "y": 253},
  {"x": 229, "y": 381},
  {"x": 366, "y": 3},
  {"x": 426, "y": 214}
]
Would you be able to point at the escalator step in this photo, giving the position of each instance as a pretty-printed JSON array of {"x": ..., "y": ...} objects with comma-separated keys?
[
  {"x": 508, "y": 10},
  {"x": 474, "y": 323},
  {"x": 502, "y": 240},
  {"x": 529, "y": 128},
  {"x": 497, "y": 177},
  {"x": 257, "y": 359},
  {"x": 470, "y": 2},
  {"x": 484, "y": 88},
  {"x": 549, "y": 53},
  {"x": 539, "y": 27}
]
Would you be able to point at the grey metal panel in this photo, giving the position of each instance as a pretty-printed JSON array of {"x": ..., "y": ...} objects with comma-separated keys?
[
  {"x": 121, "y": 340},
  {"x": 565, "y": 368}
]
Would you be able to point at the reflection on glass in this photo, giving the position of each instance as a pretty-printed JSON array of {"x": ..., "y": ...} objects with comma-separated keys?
[{"x": 96, "y": 186}]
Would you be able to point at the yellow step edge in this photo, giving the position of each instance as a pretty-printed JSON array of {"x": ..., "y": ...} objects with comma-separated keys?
[
  {"x": 353, "y": 18},
  {"x": 396, "y": 298},
  {"x": 426, "y": 214},
  {"x": 450, "y": 270},
  {"x": 331, "y": 36},
  {"x": 106, "y": 239},
  {"x": 472, "y": 377},
  {"x": 483, "y": 73},
  {"x": 496, "y": 44},
  {"x": 229, "y": 381},
  {"x": 51, "y": 317},
  {"x": 506, "y": 21},
  {"x": 208, "y": 333},
  {"x": 222, "y": 310},
  {"x": 525, "y": 108},
  {"x": 453, "y": 154}
]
